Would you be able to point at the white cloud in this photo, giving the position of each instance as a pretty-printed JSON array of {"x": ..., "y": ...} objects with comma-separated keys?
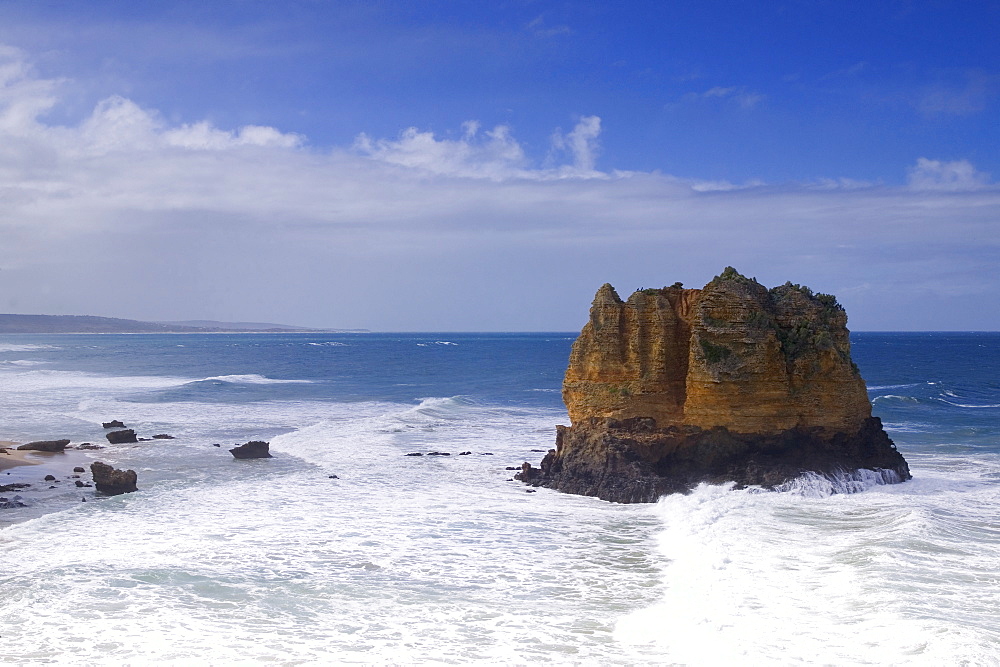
[
  {"x": 126, "y": 214},
  {"x": 952, "y": 176},
  {"x": 494, "y": 154}
]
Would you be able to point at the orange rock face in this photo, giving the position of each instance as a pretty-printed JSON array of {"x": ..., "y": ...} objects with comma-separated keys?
[
  {"x": 733, "y": 354},
  {"x": 732, "y": 383}
]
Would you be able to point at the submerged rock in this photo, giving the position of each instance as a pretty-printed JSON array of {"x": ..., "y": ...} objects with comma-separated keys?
[
  {"x": 163, "y": 436},
  {"x": 255, "y": 449},
  {"x": 118, "y": 437},
  {"x": 11, "y": 503},
  {"x": 730, "y": 383},
  {"x": 112, "y": 481},
  {"x": 45, "y": 446}
]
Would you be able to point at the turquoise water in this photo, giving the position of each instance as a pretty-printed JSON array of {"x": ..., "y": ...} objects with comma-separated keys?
[{"x": 443, "y": 559}]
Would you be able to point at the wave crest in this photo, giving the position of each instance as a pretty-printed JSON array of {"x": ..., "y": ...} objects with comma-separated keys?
[{"x": 821, "y": 485}]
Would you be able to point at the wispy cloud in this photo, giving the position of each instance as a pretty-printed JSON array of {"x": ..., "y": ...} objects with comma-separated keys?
[
  {"x": 739, "y": 95},
  {"x": 540, "y": 28},
  {"x": 959, "y": 93}
]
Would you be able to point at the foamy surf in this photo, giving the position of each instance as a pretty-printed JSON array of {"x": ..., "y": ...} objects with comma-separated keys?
[
  {"x": 813, "y": 576},
  {"x": 343, "y": 549}
]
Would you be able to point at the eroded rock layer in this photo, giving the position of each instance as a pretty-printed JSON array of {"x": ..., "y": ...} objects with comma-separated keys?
[{"x": 732, "y": 382}]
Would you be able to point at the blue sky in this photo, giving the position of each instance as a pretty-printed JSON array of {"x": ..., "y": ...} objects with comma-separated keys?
[{"x": 486, "y": 166}]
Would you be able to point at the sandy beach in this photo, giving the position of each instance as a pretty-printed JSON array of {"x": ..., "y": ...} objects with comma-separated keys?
[{"x": 10, "y": 457}]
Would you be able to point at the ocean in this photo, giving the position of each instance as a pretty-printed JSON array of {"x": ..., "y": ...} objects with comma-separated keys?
[{"x": 341, "y": 549}]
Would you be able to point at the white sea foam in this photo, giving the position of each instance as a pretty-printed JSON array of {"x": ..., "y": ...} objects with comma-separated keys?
[
  {"x": 815, "y": 578},
  {"x": 896, "y": 397},
  {"x": 883, "y": 387},
  {"x": 821, "y": 485},
  {"x": 970, "y": 405},
  {"x": 251, "y": 378},
  {"x": 441, "y": 559},
  {"x": 26, "y": 347},
  {"x": 401, "y": 559}
]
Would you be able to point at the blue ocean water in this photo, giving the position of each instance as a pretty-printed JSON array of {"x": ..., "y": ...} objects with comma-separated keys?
[{"x": 444, "y": 559}]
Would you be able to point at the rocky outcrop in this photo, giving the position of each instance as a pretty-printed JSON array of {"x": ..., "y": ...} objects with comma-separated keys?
[
  {"x": 119, "y": 437},
  {"x": 45, "y": 446},
  {"x": 255, "y": 449},
  {"x": 732, "y": 382},
  {"x": 111, "y": 481},
  {"x": 114, "y": 423}
]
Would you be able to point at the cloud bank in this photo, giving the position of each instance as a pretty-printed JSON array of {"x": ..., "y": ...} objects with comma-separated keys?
[{"x": 123, "y": 213}]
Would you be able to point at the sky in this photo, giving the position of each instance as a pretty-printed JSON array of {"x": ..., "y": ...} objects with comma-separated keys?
[{"x": 464, "y": 166}]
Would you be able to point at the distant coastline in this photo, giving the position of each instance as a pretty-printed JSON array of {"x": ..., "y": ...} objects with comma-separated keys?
[{"x": 91, "y": 324}]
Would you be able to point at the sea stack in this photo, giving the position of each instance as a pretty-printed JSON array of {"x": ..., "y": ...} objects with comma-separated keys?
[{"x": 730, "y": 383}]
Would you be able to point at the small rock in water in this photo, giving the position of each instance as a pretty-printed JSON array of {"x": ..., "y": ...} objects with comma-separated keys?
[
  {"x": 163, "y": 436},
  {"x": 78, "y": 469},
  {"x": 114, "y": 423},
  {"x": 512, "y": 468},
  {"x": 410, "y": 454},
  {"x": 486, "y": 454},
  {"x": 4, "y": 488},
  {"x": 117, "y": 437},
  {"x": 534, "y": 450},
  {"x": 111, "y": 480},
  {"x": 50, "y": 478},
  {"x": 333, "y": 477},
  {"x": 87, "y": 445},
  {"x": 255, "y": 449},
  {"x": 464, "y": 453},
  {"x": 530, "y": 490},
  {"x": 215, "y": 444},
  {"x": 438, "y": 453}
]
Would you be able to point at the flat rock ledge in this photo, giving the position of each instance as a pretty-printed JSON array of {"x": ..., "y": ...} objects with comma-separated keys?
[
  {"x": 633, "y": 461},
  {"x": 255, "y": 449},
  {"x": 45, "y": 446}
]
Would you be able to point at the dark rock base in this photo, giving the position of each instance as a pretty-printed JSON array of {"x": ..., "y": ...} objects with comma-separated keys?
[{"x": 633, "y": 461}]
